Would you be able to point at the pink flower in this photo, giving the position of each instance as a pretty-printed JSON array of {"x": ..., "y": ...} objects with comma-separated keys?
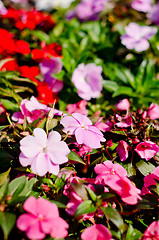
[
  {"x": 79, "y": 107},
  {"x": 96, "y": 232},
  {"x": 150, "y": 180},
  {"x": 123, "y": 104},
  {"x": 124, "y": 122},
  {"x": 152, "y": 232},
  {"x": 102, "y": 126},
  {"x": 81, "y": 126},
  {"x": 137, "y": 36},
  {"x": 122, "y": 149},
  {"x": 153, "y": 111},
  {"x": 88, "y": 80},
  {"x": 147, "y": 149},
  {"x": 43, "y": 153},
  {"x": 115, "y": 176},
  {"x": 142, "y": 5},
  {"x": 31, "y": 109},
  {"x": 42, "y": 218},
  {"x": 51, "y": 66}
]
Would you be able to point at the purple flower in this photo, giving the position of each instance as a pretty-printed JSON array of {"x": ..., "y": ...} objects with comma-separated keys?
[
  {"x": 81, "y": 126},
  {"x": 43, "y": 153},
  {"x": 88, "y": 80},
  {"x": 51, "y": 66},
  {"x": 153, "y": 14},
  {"x": 136, "y": 36},
  {"x": 122, "y": 149},
  {"x": 88, "y": 9},
  {"x": 142, "y": 5}
]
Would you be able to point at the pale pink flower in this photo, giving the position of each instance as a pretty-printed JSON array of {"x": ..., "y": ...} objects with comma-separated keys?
[
  {"x": 96, "y": 232},
  {"x": 51, "y": 66},
  {"x": 147, "y": 149},
  {"x": 122, "y": 149},
  {"x": 43, "y": 153},
  {"x": 123, "y": 104},
  {"x": 137, "y": 36},
  {"x": 42, "y": 218},
  {"x": 81, "y": 126},
  {"x": 142, "y": 5},
  {"x": 153, "y": 111},
  {"x": 124, "y": 122},
  {"x": 115, "y": 176},
  {"x": 79, "y": 107},
  {"x": 88, "y": 80},
  {"x": 102, "y": 126},
  {"x": 152, "y": 232}
]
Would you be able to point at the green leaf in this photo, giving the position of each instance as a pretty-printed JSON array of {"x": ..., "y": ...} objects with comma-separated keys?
[
  {"x": 140, "y": 75},
  {"x": 113, "y": 215},
  {"x": 7, "y": 221},
  {"x": 59, "y": 204},
  {"x": 124, "y": 91},
  {"x": 4, "y": 190},
  {"x": 110, "y": 85},
  {"x": 145, "y": 167},
  {"x": 17, "y": 185},
  {"x": 74, "y": 157},
  {"x": 84, "y": 208},
  {"x": 133, "y": 233},
  {"x": 9, "y": 105},
  {"x": 41, "y": 35},
  {"x": 4, "y": 177},
  {"x": 91, "y": 194}
]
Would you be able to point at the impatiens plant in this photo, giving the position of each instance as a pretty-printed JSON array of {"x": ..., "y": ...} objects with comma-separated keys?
[{"x": 79, "y": 111}]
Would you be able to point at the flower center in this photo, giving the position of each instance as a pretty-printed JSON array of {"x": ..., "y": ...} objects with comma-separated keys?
[
  {"x": 45, "y": 150},
  {"x": 41, "y": 217},
  {"x": 84, "y": 127}
]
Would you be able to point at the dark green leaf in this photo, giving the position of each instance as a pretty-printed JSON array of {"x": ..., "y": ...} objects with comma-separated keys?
[
  {"x": 74, "y": 157},
  {"x": 133, "y": 233},
  {"x": 84, "y": 208},
  {"x": 113, "y": 215}
]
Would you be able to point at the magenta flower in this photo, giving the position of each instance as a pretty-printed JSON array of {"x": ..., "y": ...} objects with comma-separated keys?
[
  {"x": 122, "y": 149},
  {"x": 42, "y": 218},
  {"x": 48, "y": 67},
  {"x": 79, "y": 107},
  {"x": 43, "y": 153},
  {"x": 152, "y": 232},
  {"x": 96, "y": 232},
  {"x": 81, "y": 126},
  {"x": 150, "y": 180},
  {"x": 136, "y": 36},
  {"x": 153, "y": 111},
  {"x": 147, "y": 149},
  {"x": 142, "y": 5},
  {"x": 153, "y": 14},
  {"x": 31, "y": 109},
  {"x": 123, "y": 105},
  {"x": 88, "y": 80},
  {"x": 115, "y": 176}
]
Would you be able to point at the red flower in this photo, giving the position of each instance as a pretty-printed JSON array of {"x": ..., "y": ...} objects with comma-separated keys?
[
  {"x": 47, "y": 50},
  {"x": 29, "y": 72},
  {"x": 10, "y": 65},
  {"x": 45, "y": 94},
  {"x": 22, "y": 47}
]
